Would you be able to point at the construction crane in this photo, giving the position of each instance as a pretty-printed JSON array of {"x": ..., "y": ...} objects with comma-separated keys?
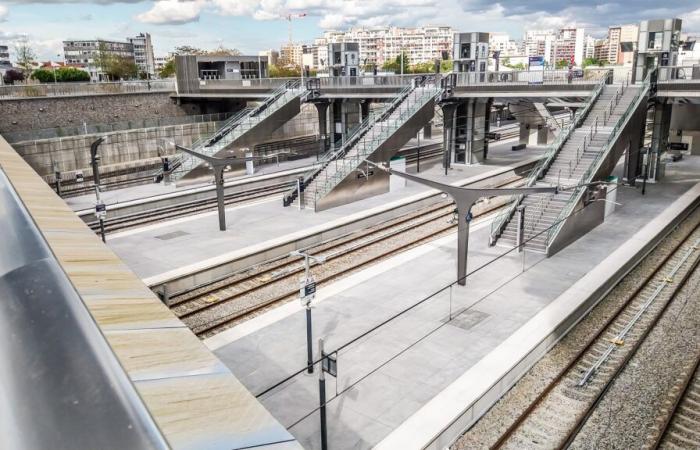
[{"x": 289, "y": 17}]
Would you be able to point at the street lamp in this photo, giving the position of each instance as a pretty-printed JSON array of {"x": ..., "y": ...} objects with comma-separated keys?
[
  {"x": 100, "y": 208},
  {"x": 307, "y": 292},
  {"x": 464, "y": 199}
]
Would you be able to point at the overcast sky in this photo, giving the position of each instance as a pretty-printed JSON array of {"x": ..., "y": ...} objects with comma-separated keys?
[{"x": 252, "y": 25}]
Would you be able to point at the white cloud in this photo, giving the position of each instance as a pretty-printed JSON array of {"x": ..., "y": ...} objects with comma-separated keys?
[
  {"x": 172, "y": 12},
  {"x": 691, "y": 21},
  {"x": 4, "y": 12}
]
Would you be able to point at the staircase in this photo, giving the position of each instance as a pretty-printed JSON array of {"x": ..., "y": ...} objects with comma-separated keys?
[
  {"x": 369, "y": 140},
  {"x": 572, "y": 161},
  {"x": 238, "y": 126}
]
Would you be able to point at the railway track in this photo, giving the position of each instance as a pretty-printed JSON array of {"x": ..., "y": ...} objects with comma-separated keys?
[
  {"x": 210, "y": 308},
  {"x": 680, "y": 427},
  {"x": 559, "y": 412},
  {"x": 187, "y": 208},
  {"x": 113, "y": 225}
]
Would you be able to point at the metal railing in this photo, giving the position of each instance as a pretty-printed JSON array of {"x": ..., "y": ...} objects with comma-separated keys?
[
  {"x": 679, "y": 74},
  {"x": 77, "y": 89},
  {"x": 243, "y": 123},
  {"x": 586, "y": 177},
  {"x": 261, "y": 83},
  {"x": 527, "y": 77},
  {"x": 383, "y": 126},
  {"x": 501, "y": 220},
  {"x": 370, "y": 80}
]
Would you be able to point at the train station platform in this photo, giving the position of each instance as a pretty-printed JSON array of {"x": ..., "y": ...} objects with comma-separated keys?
[
  {"x": 433, "y": 369},
  {"x": 194, "y": 399},
  {"x": 172, "y": 249}
]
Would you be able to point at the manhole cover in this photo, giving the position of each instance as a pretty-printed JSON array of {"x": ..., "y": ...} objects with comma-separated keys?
[
  {"x": 467, "y": 319},
  {"x": 173, "y": 235}
]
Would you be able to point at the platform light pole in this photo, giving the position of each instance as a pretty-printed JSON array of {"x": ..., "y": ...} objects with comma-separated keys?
[
  {"x": 218, "y": 164},
  {"x": 464, "y": 199},
  {"x": 307, "y": 292},
  {"x": 100, "y": 208}
]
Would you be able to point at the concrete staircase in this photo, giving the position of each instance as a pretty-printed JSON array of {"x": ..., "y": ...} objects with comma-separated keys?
[
  {"x": 571, "y": 165},
  {"x": 379, "y": 135},
  {"x": 241, "y": 126}
]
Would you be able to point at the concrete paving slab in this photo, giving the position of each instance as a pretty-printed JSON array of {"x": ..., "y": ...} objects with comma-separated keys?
[{"x": 405, "y": 353}]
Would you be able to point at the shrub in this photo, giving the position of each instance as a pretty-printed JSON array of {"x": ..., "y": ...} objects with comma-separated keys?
[
  {"x": 62, "y": 75},
  {"x": 12, "y": 75}
]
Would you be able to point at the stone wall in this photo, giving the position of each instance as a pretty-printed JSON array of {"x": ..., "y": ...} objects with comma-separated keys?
[
  {"x": 73, "y": 153},
  {"x": 38, "y": 113}
]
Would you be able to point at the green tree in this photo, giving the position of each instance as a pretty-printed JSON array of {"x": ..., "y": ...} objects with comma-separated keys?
[
  {"x": 44, "y": 76},
  {"x": 284, "y": 71},
  {"x": 103, "y": 58},
  {"x": 25, "y": 56},
  {"x": 424, "y": 67},
  {"x": 446, "y": 66},
  {"x": 122, "y": 68},
  {"x": 188, "y": 50},
  {"x": 395, "y": 65},
  {"x": 594, "y": 62},
  {"x": 168, "y": 69},
  {"x": 71, "y": 74},
  {"x": 562, "y": 64}
]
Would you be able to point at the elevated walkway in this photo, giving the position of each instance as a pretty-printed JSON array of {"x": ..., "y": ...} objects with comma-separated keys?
[
  {"x": 244, "y": 129},
  {"x": 586, "y": 152},
  {"x": 194, "y": 400},
  {"x": 378, "y": 138}
]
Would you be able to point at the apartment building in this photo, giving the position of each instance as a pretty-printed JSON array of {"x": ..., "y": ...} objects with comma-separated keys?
[
  {"x": 565, "y": 44},
  {"x": 5, "y": 63},
  {"x": 85, "y": 54},
  {"x": 383, "y": 44},
  {"x": 143, "y": 54}
]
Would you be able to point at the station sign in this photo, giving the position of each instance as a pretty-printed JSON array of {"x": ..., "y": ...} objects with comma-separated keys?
[
  {"x": 100, "y": 210},
  {"x": 329, "y": 364},
  {"x": 79, "y": 177},
  {"x": 307, "y": 290},
  {"x": 678, "y": 146}
]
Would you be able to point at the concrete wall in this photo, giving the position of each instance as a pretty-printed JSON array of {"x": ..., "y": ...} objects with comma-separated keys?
[
  {"x": 38, "y": 113},
  {"x": 73, "y": 153},
  {"x": 303, "y": 124}
]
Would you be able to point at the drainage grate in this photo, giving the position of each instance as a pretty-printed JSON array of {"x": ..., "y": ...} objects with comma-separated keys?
[
  {"x": 466, "y": 320},
  {"x": 173, "y": 235}
]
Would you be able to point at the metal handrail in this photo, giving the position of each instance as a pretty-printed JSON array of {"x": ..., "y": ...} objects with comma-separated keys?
[
  {"x": 350, "y": 141},
  {"x": 63, "y": 386},
  {"x": 500, "y": 221},
  {"x": 76, "y": 89},
  {"x": 587, "y": 176}
]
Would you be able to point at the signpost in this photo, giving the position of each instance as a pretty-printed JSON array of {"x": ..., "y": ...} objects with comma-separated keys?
[
  {"x": 329, "y": 365},
  {"x": 307, "y": 292}
]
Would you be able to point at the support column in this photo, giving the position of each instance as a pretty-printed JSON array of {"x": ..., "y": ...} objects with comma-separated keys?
[
  {"x": 659, "y": 137},
  {"x": 364, "y": 109},
  {"x": 448, "y": 118},
  {"x": 322, "y": 110},
  {"x": 542, "y": 134},
  {"x": 524, "y": 133},
  {"x": 487, "y": 125},
  {"x": 428, "y": 131}
]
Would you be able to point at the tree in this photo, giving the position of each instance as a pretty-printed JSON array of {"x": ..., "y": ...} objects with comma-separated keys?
[
  {"x": 168, "y": 69},
  {"x": 12, "y": 75},
  {"x": 424, "y": 67},
  {"x": 25, "y": 56},
  {"x": 284, "y": 72},
  {"x": 188, "y": 50},
  {"x": 446, "y": 66},
  {"x": 103, "y": 58},
  {"x": 62, "y": 75},
  {"x": 223, "y": 51},
  {"x": 122, "y": 68},
  {"x": 395, "y": 65},
  {"x": 594, "y": 62},
  {"x": 561, "y": 64}
]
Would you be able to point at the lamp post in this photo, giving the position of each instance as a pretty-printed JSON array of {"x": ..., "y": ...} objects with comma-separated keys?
[
  {"x": 100, "y": 208},
  {"x": 218, "y": 164},
  {"x": 307, "y": 292},
  {"x": 464, "y": 199}
]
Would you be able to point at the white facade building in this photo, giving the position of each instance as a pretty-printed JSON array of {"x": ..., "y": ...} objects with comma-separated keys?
[
  {"x": 384, "y": 44},
  {"x": 143, "y": 53}
]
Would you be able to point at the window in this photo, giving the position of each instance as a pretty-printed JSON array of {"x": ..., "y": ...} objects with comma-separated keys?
[{"x": 465, "y": 52}]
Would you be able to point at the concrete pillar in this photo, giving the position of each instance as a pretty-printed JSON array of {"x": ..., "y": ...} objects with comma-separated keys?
[
  {"x": 448, "y": 121},
  {"x": 364, "y": 109},
  {"x": 542, "y": 134},
  {"x": 487, "y": 125},
  {"x": 428, "y": 131},
  {"x": 322, "y": 110},
  {"x": 524, "y": 133}
]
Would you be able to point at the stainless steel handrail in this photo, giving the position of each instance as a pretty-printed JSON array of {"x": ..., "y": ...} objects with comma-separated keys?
[{"x": 62, "y": 386}]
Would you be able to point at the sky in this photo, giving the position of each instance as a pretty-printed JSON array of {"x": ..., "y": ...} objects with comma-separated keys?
[{"x": 252, "y": 25}]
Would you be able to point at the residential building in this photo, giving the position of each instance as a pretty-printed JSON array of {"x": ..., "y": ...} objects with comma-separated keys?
[
  {"x": 628, "y": 44},
  {"x": 5, "y": 63},
  {"x": 86, "y": 54},
  {"x": 160, "y": 61},
  {"x": 379, "y": 45},
  {"x": 143, "y": 54},
  {"x": 565, "y": 44},
  {"x": 507, "y": 47},
  {"x": 270, "y": 56},
  {"x": 291, "y": 54},
  {"x": 589, "y": 47}
]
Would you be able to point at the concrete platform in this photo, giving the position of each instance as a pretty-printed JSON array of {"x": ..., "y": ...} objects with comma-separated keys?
[
  {"x": 393, "y": 373},
  {"x": 162, "y": 251}
]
